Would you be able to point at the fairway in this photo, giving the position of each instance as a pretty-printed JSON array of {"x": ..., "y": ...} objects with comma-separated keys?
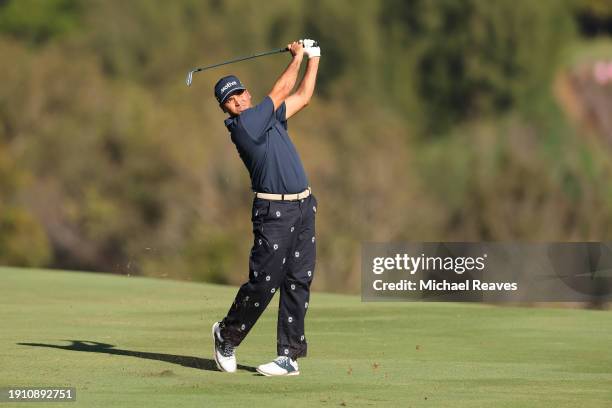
[{"x": 131, "y": 342}]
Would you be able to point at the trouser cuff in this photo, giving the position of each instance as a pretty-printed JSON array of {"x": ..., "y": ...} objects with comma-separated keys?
[{"x": 294, "y": 352}]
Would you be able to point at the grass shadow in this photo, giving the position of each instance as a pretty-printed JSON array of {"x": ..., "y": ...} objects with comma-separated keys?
[{"x": 96, "y": 347}]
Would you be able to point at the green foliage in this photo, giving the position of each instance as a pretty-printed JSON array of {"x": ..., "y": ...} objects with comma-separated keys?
[
  {"x": 22, "y": 239},
  {"x": 470, "y": 58},
  {"x": 505, "y": 184},
  {"x": 598, "y": 8},
  {"x": 37, "y": 21}
]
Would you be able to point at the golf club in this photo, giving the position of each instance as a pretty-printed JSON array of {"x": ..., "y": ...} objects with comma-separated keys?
[{"x": 261, "y": 54}]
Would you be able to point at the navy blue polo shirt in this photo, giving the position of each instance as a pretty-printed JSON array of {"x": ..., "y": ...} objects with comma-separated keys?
[{"x": 260, "y": 135}]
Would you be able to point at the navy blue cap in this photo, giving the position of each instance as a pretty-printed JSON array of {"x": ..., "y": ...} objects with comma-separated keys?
[{"x": 225, "y": 86}]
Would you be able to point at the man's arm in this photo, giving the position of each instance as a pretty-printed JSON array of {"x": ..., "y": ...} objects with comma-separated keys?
[
  {"x": 285, "y": 83},
  {"x": 301, "y": 97}
]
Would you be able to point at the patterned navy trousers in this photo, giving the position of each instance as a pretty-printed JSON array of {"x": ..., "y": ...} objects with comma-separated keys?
[{"x": 282, "y": 259}]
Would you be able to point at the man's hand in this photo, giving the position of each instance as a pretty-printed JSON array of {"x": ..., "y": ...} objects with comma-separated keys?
[
  {"x": 310, "y": 49},
  {"x": 296, "y": 49}
]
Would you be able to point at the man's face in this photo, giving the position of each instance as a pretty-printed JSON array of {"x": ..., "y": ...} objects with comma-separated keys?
[{"x": 237, "y": 102}]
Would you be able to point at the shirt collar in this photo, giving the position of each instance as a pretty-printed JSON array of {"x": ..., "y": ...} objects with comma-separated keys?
[{"x": 229, "y": 122}]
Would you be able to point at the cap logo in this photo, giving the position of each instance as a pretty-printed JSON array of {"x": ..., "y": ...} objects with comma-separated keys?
[{"x": 227, "y": 85}]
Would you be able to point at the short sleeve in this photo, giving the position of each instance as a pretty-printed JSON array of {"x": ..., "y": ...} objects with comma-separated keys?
[
  {"x": 281, "y": 113},
  {"x": 258, "y": 118}
]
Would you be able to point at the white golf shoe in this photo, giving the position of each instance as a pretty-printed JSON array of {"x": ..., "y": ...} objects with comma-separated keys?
[
  {"x": 282, "y": 365},
  {"x": 224, "y": 352}
]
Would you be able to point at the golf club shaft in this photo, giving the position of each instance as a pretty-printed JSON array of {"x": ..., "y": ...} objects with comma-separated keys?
[{"x": 261, "y": 54}]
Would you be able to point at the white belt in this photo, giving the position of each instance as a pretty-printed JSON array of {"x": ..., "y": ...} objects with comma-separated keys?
[{"x": 284, "y": 197}]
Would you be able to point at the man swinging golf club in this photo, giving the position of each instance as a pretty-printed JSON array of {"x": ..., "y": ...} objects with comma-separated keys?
[{"x": 283, "y": 254}]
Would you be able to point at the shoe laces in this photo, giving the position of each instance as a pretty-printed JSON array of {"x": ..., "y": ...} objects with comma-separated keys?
[
  {"x": 227, "y": 349},
  {"x": 283, "y": 361}
]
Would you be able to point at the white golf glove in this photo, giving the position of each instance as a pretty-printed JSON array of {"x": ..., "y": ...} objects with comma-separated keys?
[{"x": 310, "y": 49}]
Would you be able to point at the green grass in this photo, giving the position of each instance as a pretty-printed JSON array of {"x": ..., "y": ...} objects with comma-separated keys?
[{"x": 361, "y": 354}]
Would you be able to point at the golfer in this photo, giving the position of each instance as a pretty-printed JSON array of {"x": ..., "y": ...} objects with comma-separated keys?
[{"x": 283, "y": 254}]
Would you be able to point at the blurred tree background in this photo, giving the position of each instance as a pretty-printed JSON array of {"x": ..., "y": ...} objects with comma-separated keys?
[{"x": 433, "y": 120}]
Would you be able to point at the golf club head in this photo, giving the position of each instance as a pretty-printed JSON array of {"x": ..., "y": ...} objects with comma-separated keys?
[{"x": 189, "y": 78}]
